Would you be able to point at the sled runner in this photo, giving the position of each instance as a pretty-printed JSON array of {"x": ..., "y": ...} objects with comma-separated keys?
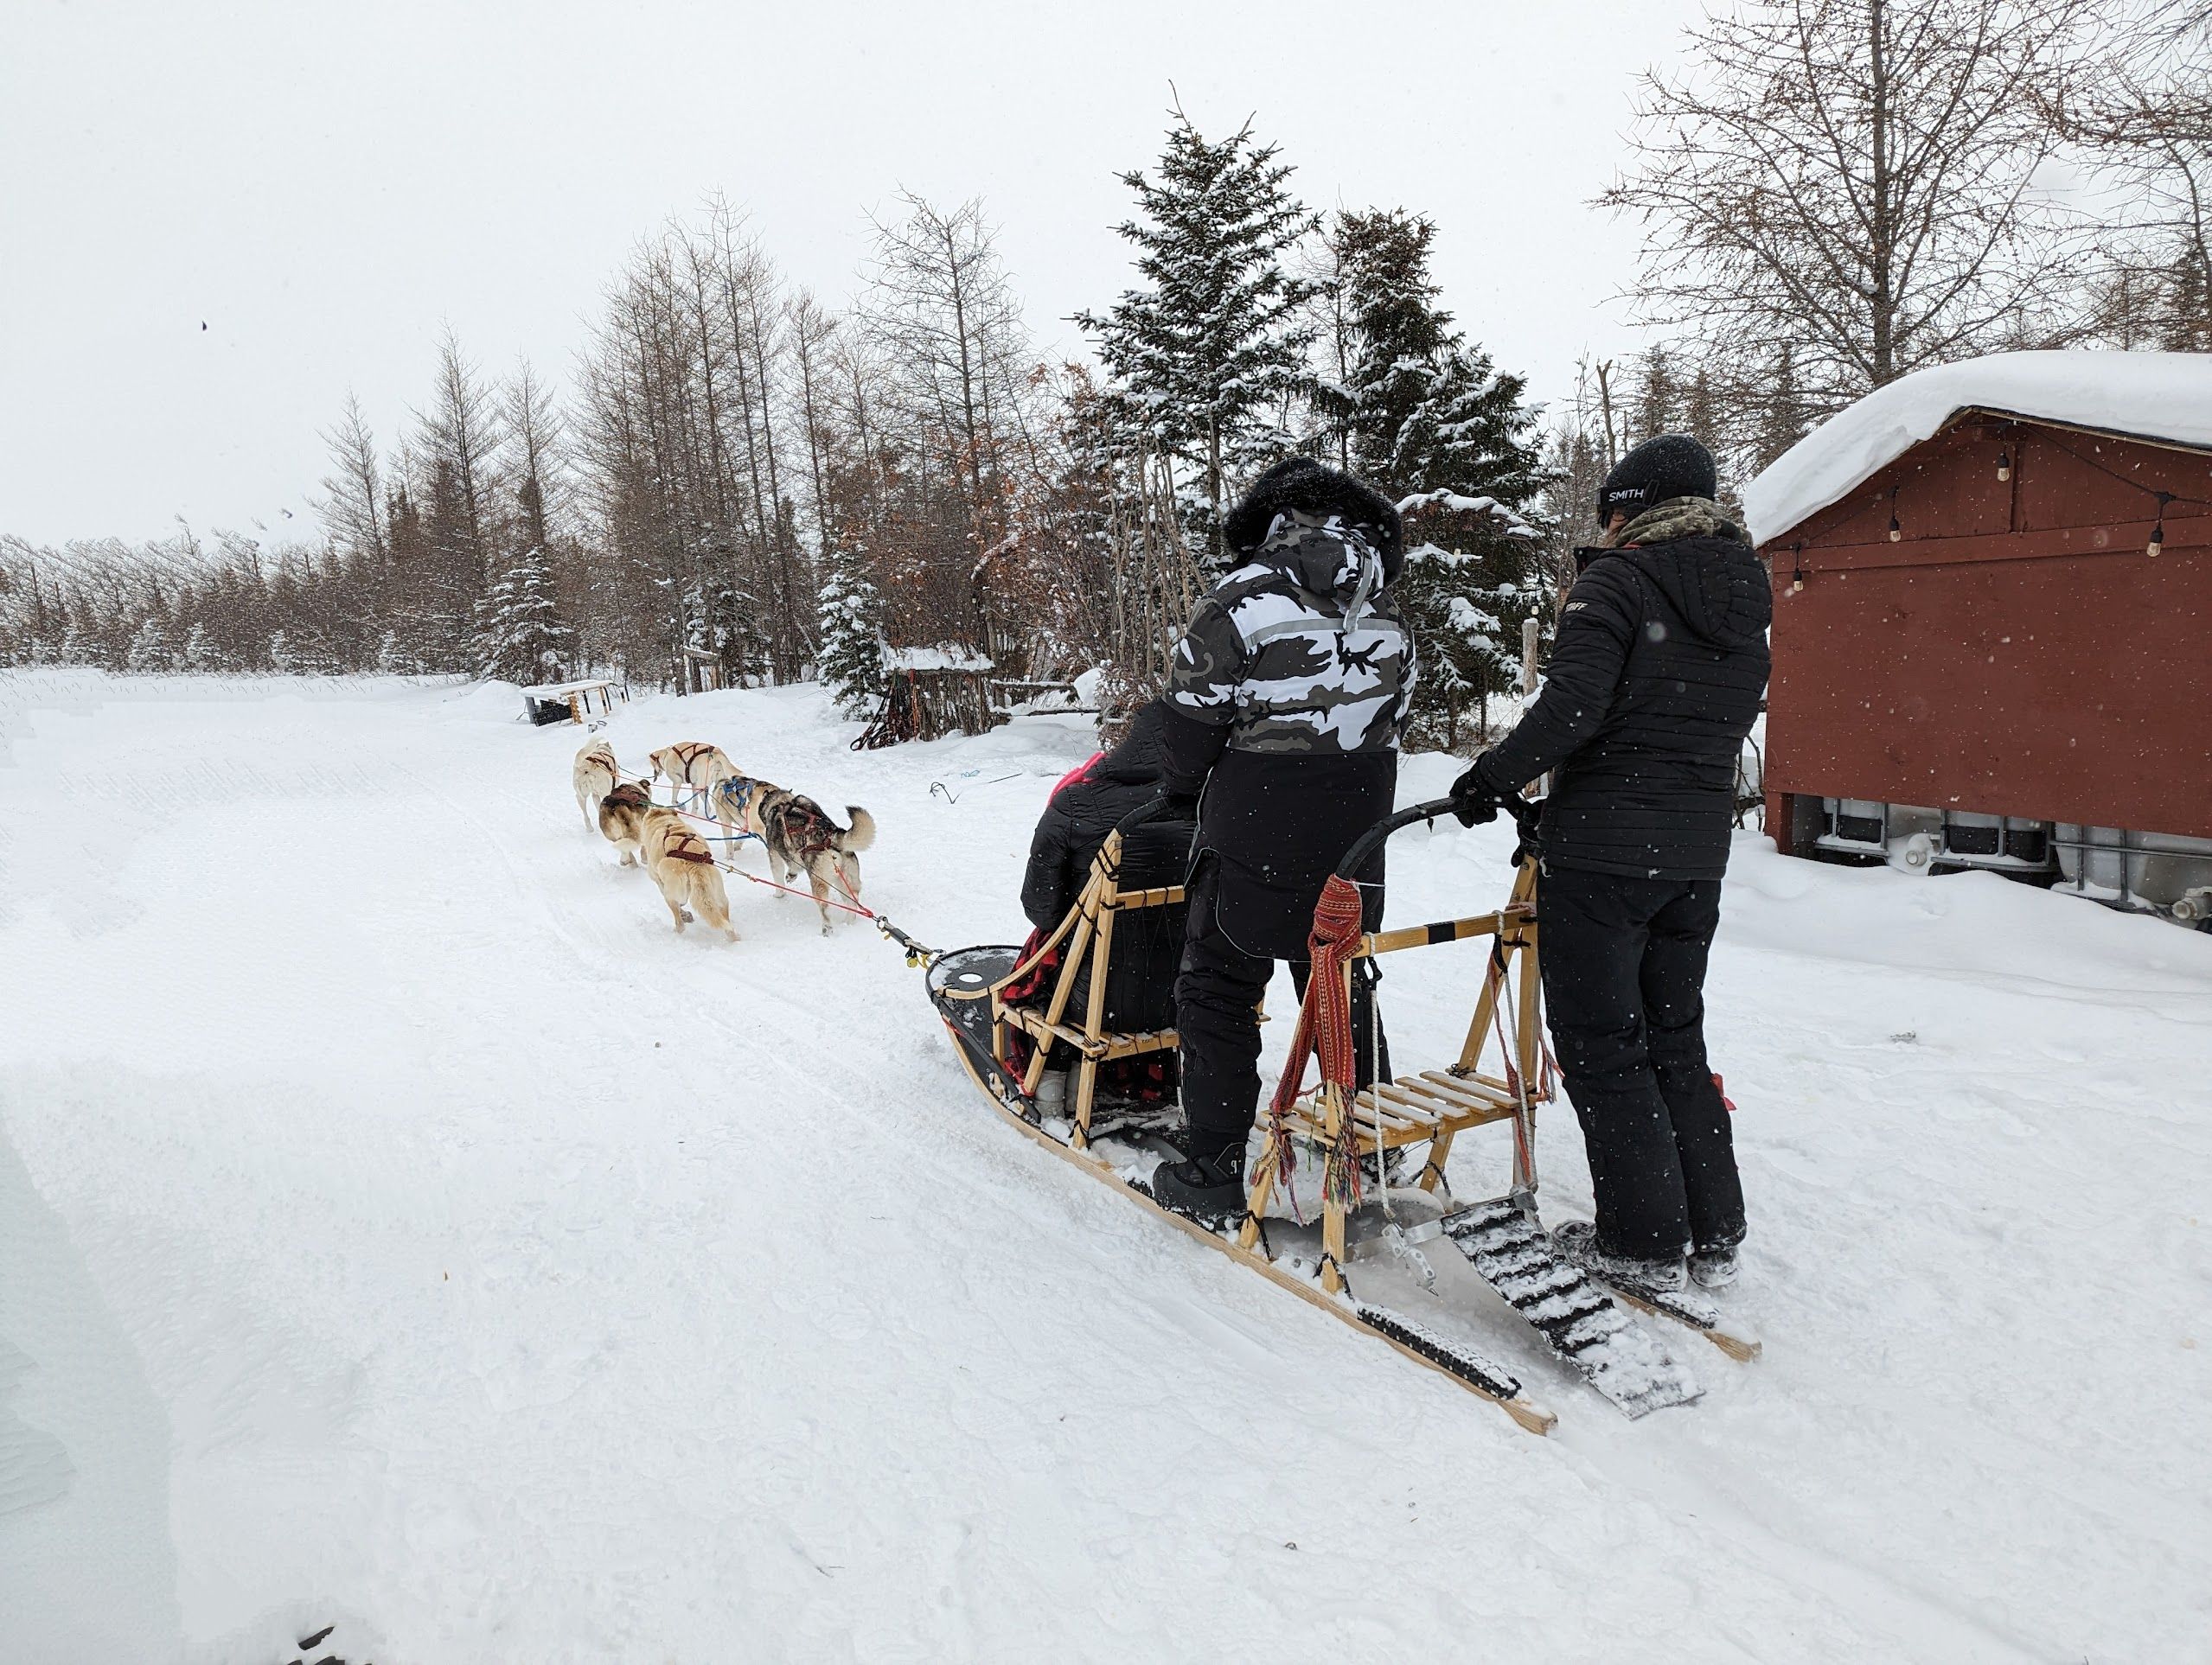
[{"x": 1366, "y": 1225}]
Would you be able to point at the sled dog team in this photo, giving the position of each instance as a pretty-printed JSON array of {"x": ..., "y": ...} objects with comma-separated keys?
[{"x": 797, "y": 832}]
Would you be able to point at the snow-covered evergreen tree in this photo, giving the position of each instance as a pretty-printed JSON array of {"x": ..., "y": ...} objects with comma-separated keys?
[
  {"x": 200, "y": 654},
  {"x": 519, "y": 636},
  {"x": 1205, "y": 360},
  {"x": 148, "y": 653},
  {"x": 852, "y": 634},
  {"x": 281, "y": 657},
  {"x": 1422, "y": 414},
  {"x": 1471, "y": 577}
]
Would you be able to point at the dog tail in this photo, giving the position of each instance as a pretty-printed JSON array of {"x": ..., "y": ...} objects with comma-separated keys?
[{"x": 863, "y": 833}]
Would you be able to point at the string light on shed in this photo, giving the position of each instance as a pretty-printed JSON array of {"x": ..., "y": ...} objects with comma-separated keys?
[
  {"x": 2157, "y": 544},
  {"x": 2005, "y": 465},
  {"x": 1896, "y": 532},
  {"x": 1797, "y": 568}
]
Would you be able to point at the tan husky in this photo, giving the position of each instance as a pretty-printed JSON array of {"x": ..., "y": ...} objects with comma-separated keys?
[
  {"x": 693, "y": 767},
  {"x": 596, "y": 775},
  {"x": 683, "y": 866}
]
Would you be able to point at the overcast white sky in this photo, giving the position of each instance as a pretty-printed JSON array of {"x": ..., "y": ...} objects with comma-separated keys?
[{"x": 327, "y": 185}]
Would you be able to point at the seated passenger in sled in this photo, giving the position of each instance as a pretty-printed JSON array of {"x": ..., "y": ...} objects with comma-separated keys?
[{"x": 1148, "y": 943}]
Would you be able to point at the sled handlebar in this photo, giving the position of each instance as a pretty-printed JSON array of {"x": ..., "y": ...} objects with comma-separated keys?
[
  {"x": 1140, "y": 815},
  {"x": 1523, "y": 811}
]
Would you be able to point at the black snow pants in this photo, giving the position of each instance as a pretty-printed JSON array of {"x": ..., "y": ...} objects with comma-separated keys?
[
  {"x": 1624, "y": 974},
  {"x": 1218, "y": 996}
]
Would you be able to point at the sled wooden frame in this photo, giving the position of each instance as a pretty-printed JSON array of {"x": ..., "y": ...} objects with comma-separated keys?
[
  {"x": 1536, "y": 1418},
  {"x": 1088, "y": 930},
  {"x": 1472, "y": 1101},
  {"x": 1434, "y": 1108}
]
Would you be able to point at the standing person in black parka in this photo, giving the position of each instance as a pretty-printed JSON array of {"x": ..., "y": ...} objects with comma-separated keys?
[
  {"x": 1654, "y": 681},
  {"x": 1285, "y": 705}
]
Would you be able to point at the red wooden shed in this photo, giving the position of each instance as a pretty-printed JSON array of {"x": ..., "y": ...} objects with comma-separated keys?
[{"x": 1993, "y": 631}]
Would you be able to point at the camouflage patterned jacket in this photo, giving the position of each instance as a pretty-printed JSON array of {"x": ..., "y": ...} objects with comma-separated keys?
[
  {"x": 1285, "y": 702},
  {"x": 1303, "y": 649}
]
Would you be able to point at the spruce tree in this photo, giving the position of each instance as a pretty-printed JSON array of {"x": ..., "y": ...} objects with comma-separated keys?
[
  {"x": 1423, "y": 416},
  {"x": 1205, "y": 360},
  {"x": 519, "y": 636},
  {"x": 1780, "y": 417},
  {"x": 1657, "y": 397},
  {"x": 852, "y": 634},
  {"x": 149, "y": 649}
]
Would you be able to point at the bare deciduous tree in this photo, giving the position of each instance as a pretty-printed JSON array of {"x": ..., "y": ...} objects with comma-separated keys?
[
  {"x": 948, "y": 331},
  {"x": 352, "y": 509},
  {"x": 1859, "y": 178},
  {"x": 2145, "y": 121}
]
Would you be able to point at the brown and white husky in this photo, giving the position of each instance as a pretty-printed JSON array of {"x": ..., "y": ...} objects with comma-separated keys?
[{"x": 622, "y": 819}]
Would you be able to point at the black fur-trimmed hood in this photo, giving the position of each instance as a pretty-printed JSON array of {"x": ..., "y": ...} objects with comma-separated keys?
[{"x": 1302, "y": 484}]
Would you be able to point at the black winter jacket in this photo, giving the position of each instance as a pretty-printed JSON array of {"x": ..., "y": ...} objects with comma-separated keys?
[
  {"x": 1148, "y": 941},
  {"x": 1076, "y": 823},
  {"x": 1654, "y": 681}
]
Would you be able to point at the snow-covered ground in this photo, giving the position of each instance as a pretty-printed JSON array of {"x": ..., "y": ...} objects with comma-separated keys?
[{"x": 402, "y": 1228}]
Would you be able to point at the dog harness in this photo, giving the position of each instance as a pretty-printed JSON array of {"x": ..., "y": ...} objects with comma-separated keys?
[
  {"x": 736, "y": 796},
  {"x": 816, "y": 831}
]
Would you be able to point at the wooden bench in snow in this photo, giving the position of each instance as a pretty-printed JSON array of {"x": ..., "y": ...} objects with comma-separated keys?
[{"x": 570, "y": 702}]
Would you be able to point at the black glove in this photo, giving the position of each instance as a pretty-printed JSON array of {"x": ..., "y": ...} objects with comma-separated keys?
[{"x": 1473, "y": 804}]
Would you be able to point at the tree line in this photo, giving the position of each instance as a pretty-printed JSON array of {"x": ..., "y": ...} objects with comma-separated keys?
[{"x": 1830, "y": 194}]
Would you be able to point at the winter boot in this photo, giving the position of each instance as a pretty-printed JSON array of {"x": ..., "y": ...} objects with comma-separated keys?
[
  {"x": 1713, "y": 1268},
  {"x": 1577, "y": 1240},
  {"x": 1209, "y": 1188}
]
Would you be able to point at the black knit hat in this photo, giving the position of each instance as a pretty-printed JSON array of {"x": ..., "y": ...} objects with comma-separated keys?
[{"x": 1669, "y": 465}]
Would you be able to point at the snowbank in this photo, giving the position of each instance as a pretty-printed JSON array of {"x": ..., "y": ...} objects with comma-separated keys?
[{"x": 2154, "y": 395}]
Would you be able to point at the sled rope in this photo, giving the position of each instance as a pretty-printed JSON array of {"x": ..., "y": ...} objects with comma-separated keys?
[{"x": 1375, "y": 1092}]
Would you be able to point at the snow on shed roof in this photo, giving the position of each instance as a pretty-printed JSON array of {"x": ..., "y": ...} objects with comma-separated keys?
[
  {"x": 2161, "y": 395},
  {"x": 946, "y": 656},
  {"x": 562, "y": 690}
]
